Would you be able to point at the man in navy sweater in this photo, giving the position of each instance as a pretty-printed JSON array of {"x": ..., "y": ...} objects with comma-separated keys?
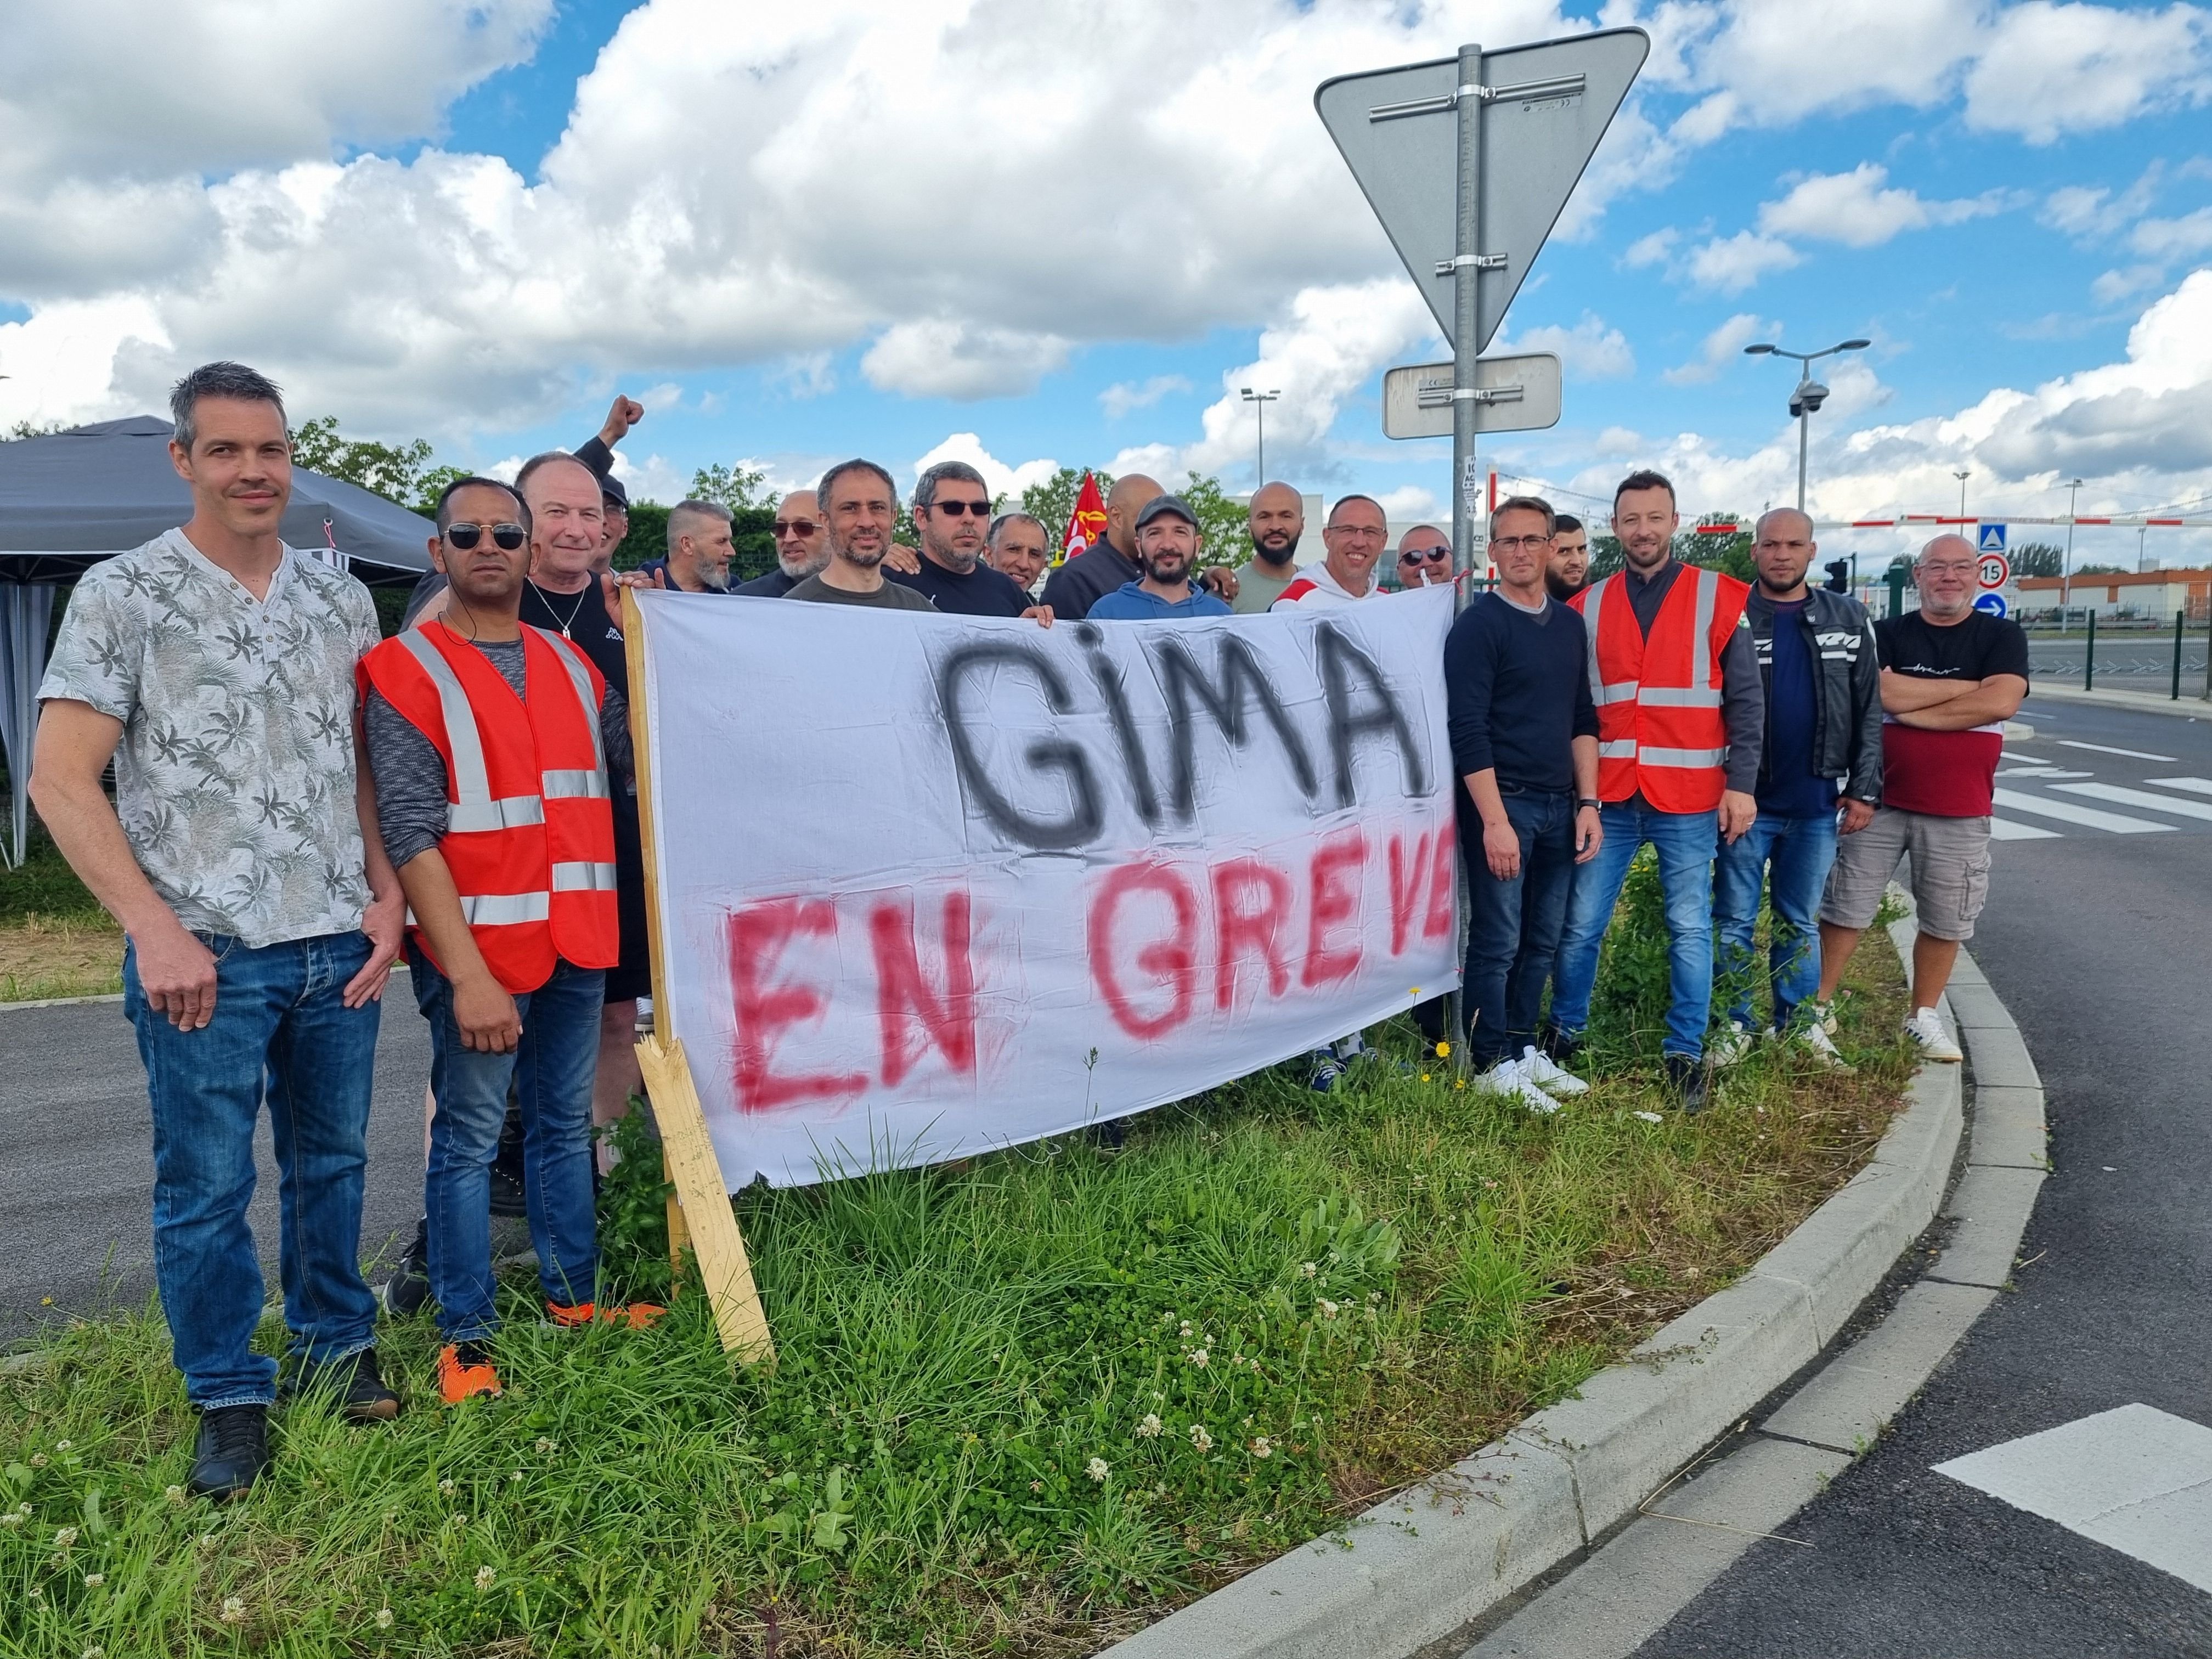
[{"x": 1524, "y": 745}]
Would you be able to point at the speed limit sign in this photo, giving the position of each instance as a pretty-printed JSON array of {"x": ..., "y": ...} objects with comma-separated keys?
[{"x": 1995, "y": 570}]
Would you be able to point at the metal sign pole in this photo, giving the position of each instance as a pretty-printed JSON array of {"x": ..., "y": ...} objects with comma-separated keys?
[{"x": 1466, "y": 333}]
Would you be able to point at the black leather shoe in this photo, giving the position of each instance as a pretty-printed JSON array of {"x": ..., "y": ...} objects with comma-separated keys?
[
  {"x": 407, "y": 1292},
  {"x": 1687, "y": 1077},
  {"x": 355, "y": 1382},
  {"x": 231, "y": 1453},
  {"x": 1561, "y": 1047}
]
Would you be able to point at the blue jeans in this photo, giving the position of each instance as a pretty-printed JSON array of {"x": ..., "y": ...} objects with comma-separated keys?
[
  {"x": 551, "y": 1069},
  {"x": 280, "y": 1031},
  {"x": 1799, "y": 852},
  {"x": 1514, "y": 926},
  {"x": 1684, "y": 842}
]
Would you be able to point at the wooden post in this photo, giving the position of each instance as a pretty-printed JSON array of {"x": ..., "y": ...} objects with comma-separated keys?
[{"x": 699, "y": 1213}]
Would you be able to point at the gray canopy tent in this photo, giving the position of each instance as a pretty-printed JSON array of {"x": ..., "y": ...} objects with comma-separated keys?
[{"x": 69, "y": 500}]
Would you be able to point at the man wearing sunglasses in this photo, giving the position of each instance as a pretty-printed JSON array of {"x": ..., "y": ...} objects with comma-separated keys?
[
  {"x": 1425, "y": 557},
  {"x": 952, "y": 510},
  {"x": 802, "y": 548},
  {"x": 496, "y": 745}
]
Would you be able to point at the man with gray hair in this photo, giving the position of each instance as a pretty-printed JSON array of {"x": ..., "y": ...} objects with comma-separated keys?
[
  {"x": 1016, "y": 545},
  {"x": 214, "y": 666},
  {"x": 1951, "y": 676},
  {"x": 699, "y": 550},
  {"x": 802, "y": 547},
  {"x": 951, "y": 505}
]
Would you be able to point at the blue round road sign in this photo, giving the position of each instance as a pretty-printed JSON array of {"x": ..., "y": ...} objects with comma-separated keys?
[{"x": 1993, "y": 602}]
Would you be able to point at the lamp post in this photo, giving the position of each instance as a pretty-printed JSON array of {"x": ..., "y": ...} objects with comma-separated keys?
[
  {"x": 1962, "y": 477},
  {"x": 2066, "y": 561},
  {"x": 1260, "y": 400},
  {"x": 1808, "y": 394}
]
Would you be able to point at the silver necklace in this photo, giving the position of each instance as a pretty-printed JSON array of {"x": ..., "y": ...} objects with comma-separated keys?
[{"x": 574, "y": 609}]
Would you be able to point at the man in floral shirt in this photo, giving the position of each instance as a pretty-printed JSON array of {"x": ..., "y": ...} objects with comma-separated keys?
[{"x": 214, "y": 666}]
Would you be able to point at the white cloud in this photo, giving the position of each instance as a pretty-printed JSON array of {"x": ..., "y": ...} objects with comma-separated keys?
[
  {"x": 2090, "y": 213},
  {"x": 1620, "y": 441},
  {"x": 1733, "y": 263},
  {"x": 997, "y": 477},
  {"x": 2174, "y": 239},
  {"x": 655, "y": 478},
  {"x": 939, "y": 358},
  {"x": 1411, "y": 502},
  {"x": 1590, "y": 350},
  {"x": 1651, "y": 250},
  {"x": 1121, "y": 396},
  {"x": 1721, "y": 350},
  {"x": 2116, "y": 285},
  {"x": 2049, "y": 69},
  {"x": 1857, "y": 209}
]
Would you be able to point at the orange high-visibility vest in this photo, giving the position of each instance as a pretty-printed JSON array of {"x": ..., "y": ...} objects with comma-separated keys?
[
  {"x": 1660, "y": 727},
  {"x": 531, "y": 831}
]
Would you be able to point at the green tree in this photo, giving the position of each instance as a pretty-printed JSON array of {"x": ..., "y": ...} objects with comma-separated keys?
[
  {"x": 33, "y": 430},
  {"x": 1223, "y": 521},
  {"x": 738, "y": 488},
  {"x": 1729, "y": 553},
  {"x": 2037, "y": 559},
  {"x": 2099, "y": 570},
  {"x": 395, "y": 472}
]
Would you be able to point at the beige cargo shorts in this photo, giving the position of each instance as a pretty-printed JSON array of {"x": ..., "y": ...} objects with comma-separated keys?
[{"x": 1950, "y": 877}]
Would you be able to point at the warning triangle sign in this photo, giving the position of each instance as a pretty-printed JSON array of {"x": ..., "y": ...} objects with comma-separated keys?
[{"x": 1992, "y": 538}]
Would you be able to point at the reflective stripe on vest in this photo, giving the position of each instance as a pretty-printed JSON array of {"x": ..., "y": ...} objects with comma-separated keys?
[
  {"x": 1601, "y": 693},
  {"x": 475, "y": 809},
  {"x": 505, "y": 909},
  {"x": 583, "y": 878}
]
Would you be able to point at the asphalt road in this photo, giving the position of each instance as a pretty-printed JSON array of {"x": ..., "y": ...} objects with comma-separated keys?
[
  {"x": 2127, "y": 659},
  {"x": 76, "y": 1166},
  {"x": 2100, "y": 943}
]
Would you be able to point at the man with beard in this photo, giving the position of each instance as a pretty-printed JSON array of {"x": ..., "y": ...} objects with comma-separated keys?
[
  {"x": 951, "y": 504},
  {"x": 1168, "y": 544},
  {"x": 1276, "y": 518},
  {"x": 699, "y": 550},
  {"x": 802, "y": 548},
  {"x": 1073, "y": 589},
  {"x": 1015, "y": 546},
  {"x": 859, "y": 507},
  {"x": 1567, "y": 572}
]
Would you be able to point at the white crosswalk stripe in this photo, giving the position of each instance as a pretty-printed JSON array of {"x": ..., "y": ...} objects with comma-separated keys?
[
  {"x": 2107, "y": 748},
  {"x": 2119, "y": 796},
  {"x": 2067, "y": 812},
  {"x": 2195, "y": 786},
  {"x": 2006, "y": 830}
]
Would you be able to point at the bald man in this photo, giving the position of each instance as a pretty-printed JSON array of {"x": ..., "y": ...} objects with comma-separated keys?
[
  {"x": 1073, "y": 589},
  {"x": 1276, "y": 519},
  {"x": 1951, "y": 676}
]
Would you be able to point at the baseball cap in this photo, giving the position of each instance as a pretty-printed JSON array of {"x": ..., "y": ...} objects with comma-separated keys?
[
  {"x": 1160, "y": 504},
  {"x": 612, "y": 493}
]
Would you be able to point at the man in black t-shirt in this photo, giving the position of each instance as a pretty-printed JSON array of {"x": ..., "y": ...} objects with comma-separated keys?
[{"x": 951, "y": 509}]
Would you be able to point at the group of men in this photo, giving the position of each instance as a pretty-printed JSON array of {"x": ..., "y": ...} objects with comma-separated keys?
[{"x": 298, "y": 802}]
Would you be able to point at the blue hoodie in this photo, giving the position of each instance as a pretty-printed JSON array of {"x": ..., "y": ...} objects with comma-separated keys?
[{"x": 1130, "y": 603}]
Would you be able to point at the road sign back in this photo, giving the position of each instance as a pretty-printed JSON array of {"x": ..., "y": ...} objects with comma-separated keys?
[
  {"x": 1545, "y": 108},
  {"x": 1522, "y": 395}
]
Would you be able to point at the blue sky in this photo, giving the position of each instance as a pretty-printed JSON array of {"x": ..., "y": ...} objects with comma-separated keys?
[{"x": 1071, "y": 230}]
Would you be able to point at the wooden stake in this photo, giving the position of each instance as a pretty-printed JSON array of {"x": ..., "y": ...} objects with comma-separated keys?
[{"x": 699, "y": 1213}]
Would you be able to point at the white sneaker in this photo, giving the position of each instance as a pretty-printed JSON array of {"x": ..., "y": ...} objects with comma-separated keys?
[
  {"x": 1730, "y": 1045},
  {"x": 1822, "y": 1014},
  {"x": 1925, "y": 1028},
  {"x": 1815, "y": 1041},
  {"x": 1538, "y": 1068},
  {"x": 1508, "y": 1078}
]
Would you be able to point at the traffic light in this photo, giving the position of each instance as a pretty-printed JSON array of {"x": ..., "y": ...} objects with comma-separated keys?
[{"x": 1839, "y": 576}]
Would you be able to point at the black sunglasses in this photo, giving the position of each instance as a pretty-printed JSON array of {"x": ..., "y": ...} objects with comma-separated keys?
[
  {"x": 954, "y": 509},
  {"x": 795, "y": 526},
  {"x": 504, "y": 536},
  {"x": 1421, "y": 554}
]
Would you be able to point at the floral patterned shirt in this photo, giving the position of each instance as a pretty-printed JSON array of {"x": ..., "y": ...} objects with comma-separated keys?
[{"x": 235, "y": 778}]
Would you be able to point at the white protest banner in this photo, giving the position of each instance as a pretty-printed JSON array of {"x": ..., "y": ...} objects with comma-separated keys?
[{"x": 933, "y": 885}]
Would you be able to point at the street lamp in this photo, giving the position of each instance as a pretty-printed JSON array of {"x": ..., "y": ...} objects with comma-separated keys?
[
  {"x": 1962, "y": 477},
  {"x": 1260, "y": 400},
  {"x": 1808, "y": 394}
]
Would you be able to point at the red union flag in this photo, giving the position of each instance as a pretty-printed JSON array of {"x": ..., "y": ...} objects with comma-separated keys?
[{"x": 1087, "y": 523}]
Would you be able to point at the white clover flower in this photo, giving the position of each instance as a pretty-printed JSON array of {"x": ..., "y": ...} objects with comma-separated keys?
[
  {"x": 1200, "y": 1438},
  {"x": 1184, "y": 1330},
  {"x": 1151, "y": 1427},
  {"x": 11, "y": 1519},
  {"x": 484, "y": 1576},
  {"x": 517, "y": 1475},
  {"x": 1200, "y": 1357},
  {"x": 38, "y": 1459},
  {"x": 65, "y": 1538},
  {"x": 383, "y": 1619},
  {"x": 1254, "y": 1364},
  {"x": 545, "y": 1448},
  {"x": 446, "y": 1486},
  {"x": 176, "y": 1496},
  {"x": 1307, "y": 1269},
  {"x": 94, "y": 1580},
  {"x": 1262, "y": 1447},
  {"x": 1327, "y": 1308},
  {"x": 1097, "y": 1470},
  {"x": 94, "y": 1653},
  {"x": 61, "y": 1445},
  {"x": 234, "y": 1610}
]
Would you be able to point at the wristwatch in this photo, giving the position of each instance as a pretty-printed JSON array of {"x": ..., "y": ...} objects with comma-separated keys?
[{"x": 1587, "y": 801}]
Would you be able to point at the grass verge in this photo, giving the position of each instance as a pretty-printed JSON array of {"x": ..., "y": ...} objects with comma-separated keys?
[
  {"x": 55, "y": 941},
  {"x": 1024, "y": 1405}
]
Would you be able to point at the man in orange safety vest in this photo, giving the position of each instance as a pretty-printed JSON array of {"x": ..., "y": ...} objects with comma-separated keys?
[
  {"x": 496, "y": 743},
  {"x": 1680, "y": 714}
]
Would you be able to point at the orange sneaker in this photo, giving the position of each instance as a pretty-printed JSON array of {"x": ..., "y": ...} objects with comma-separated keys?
[
  {"x": 636, "y": 1314},
  {"x": 464, "y": 1370}
]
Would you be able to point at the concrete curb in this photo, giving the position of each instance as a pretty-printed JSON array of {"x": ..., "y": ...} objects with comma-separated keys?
[
  {"x": 1429, "y": 1561},
  {"x": 2192, "y": 706}
]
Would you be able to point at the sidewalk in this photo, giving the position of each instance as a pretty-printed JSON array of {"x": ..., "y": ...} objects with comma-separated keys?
[{"x": 2192, "y": 705}]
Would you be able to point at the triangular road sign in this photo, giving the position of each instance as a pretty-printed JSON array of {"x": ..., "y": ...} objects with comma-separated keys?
[{"x": 1399, "y": 131}]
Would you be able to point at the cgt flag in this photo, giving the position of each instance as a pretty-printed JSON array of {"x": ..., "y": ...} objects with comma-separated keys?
[{"x": 1087, "y": 523}]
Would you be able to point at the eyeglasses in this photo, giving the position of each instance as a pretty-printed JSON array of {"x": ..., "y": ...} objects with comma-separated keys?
[
  {"x": 506, "y": 537},
  {"x": 954, "y": 509},
  {"x": 1361, "y": 532},
  {"x": 1425, "y": 555},
  {"x": 1510, "y": 543},
  {"x": 784, "y": 527}
]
